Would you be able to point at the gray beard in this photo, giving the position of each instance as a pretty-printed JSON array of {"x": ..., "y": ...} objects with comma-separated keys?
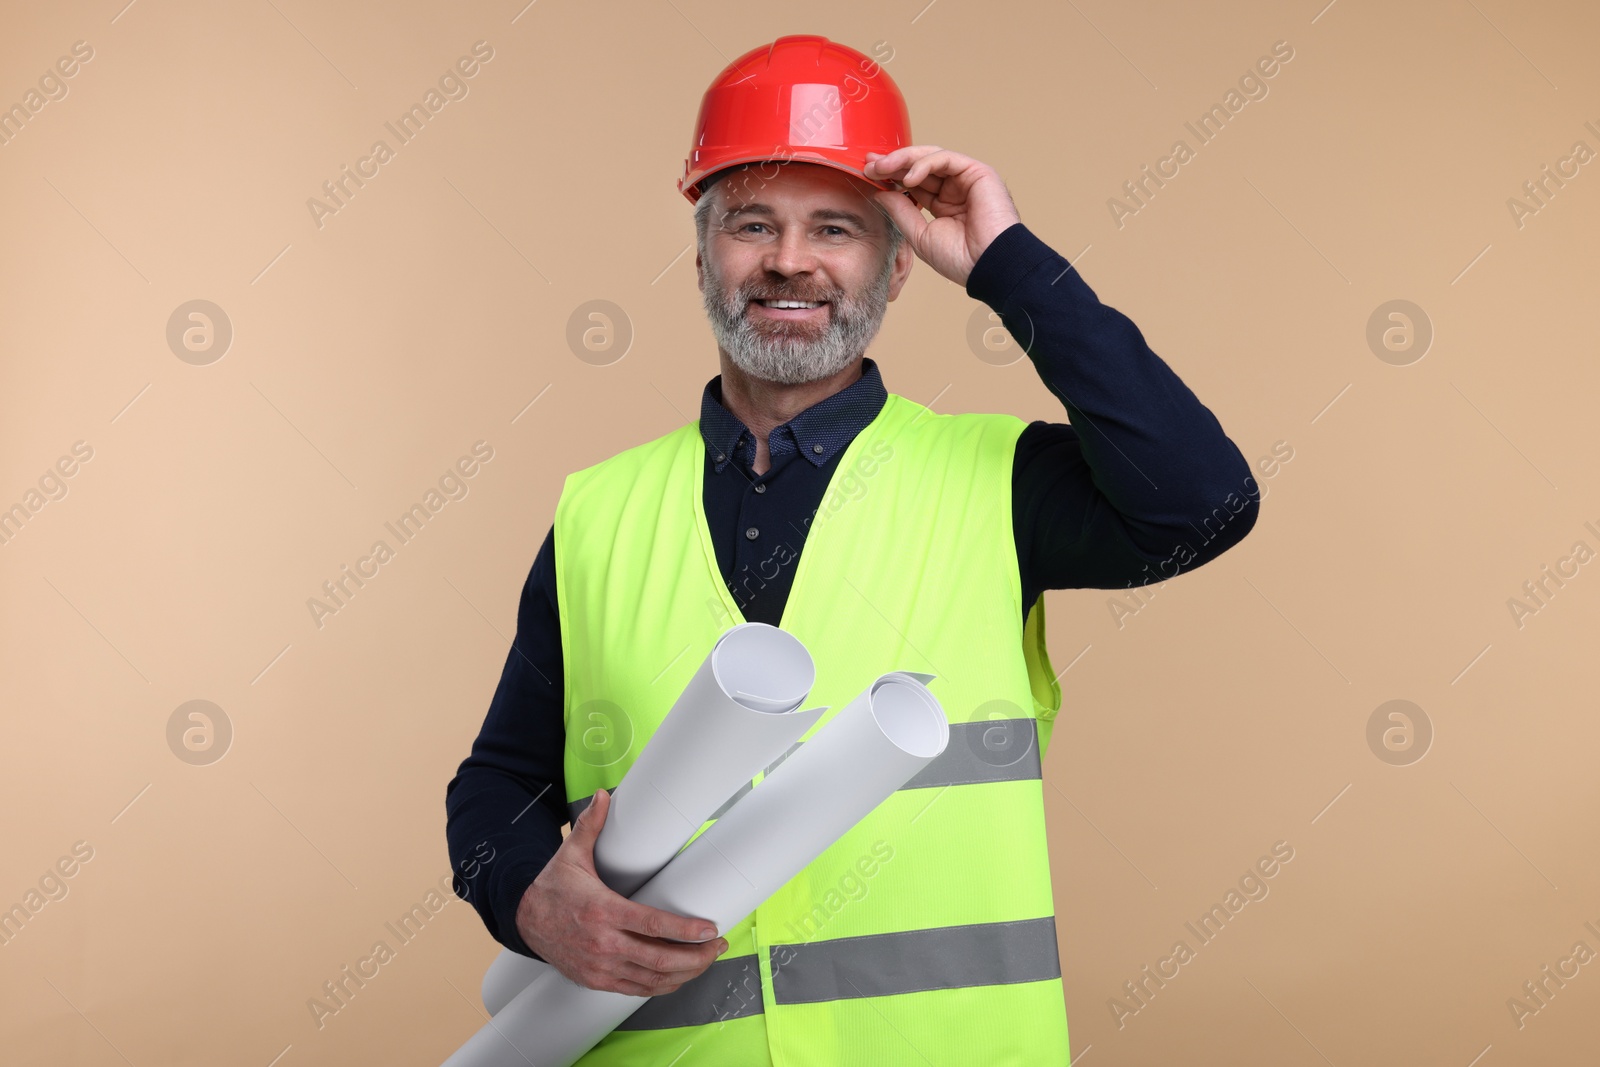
[{"x": 793, "y": 353}]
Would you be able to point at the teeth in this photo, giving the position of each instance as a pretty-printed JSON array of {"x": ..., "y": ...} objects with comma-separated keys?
[{"x": 792, "y": 303}]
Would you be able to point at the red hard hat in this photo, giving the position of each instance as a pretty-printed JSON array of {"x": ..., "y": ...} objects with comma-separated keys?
[{"x": 802, "y": 98}]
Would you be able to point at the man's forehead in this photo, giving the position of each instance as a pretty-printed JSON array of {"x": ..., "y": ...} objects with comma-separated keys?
[{"x": 817, "y": 196}]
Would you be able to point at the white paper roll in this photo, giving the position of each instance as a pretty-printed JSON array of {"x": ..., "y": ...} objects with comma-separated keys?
[
  {"x": 509, "y": 974},
  {"x": 869, "y": 750},
  {"x": 872, "y": 747},
  {"x": 735, "y": 716}
]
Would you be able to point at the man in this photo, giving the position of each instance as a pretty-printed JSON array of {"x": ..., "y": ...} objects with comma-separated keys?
[{"x": 886, "y": 537}]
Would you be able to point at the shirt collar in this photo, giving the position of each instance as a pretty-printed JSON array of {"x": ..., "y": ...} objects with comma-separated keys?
[{"x": 818, "y": 433}]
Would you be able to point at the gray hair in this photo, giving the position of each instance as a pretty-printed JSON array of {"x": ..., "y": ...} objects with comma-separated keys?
[{"x": 702, "y": 216}]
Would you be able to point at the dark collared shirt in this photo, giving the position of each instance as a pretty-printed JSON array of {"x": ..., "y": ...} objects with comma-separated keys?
[
  {"x": 1142, "y": 484},
  {"x": 759, "y": 522}
]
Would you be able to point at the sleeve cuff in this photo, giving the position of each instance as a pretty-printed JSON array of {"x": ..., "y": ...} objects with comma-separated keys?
[
  {"x": 505, "y": 895},
  {"x": 1010, "y": 258}
]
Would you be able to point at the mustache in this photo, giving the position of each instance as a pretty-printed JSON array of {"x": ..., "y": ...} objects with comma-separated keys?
[{"x": 748, "y": 293}]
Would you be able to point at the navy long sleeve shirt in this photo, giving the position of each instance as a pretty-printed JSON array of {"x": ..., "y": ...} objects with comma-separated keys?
[{"x": 1132, "y": 491}]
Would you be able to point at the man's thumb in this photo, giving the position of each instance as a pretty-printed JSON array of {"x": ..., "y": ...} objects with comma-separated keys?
[
  {"x": 905, "y": 213},
  {"x": 592, "y": 818}
]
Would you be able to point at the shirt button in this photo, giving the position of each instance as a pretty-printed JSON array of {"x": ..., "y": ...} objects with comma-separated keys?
[
  {"x": 817, "y": 449},
  {"x": 752, "y": 533},
  {"x": 761, "y": 488},
  {"x": 721, "y": 457}
]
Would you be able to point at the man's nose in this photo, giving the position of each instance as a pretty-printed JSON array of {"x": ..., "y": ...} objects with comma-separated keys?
[{"x": 791, "y": 254}]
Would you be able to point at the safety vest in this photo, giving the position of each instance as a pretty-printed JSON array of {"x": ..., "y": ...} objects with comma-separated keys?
[{"x": 926, "y": 934}]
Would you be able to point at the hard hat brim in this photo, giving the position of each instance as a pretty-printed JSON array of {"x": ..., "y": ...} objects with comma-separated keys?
[{"x": 689, "y": 184}]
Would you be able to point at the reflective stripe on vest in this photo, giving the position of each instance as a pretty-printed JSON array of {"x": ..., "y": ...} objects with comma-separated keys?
[
  {"x": 994, "y": 750},
  {"x": 910, "y": 961},
  {"x": 874, "y": 965}
]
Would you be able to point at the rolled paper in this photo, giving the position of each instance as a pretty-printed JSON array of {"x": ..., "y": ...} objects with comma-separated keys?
[
  {"x": 736, "y": 715},
  {"x": 509, "y": 974},
  {"x": 871, "y": 748}
]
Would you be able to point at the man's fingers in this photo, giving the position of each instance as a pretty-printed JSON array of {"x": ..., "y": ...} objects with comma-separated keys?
[
  {"x": 631, "y": 989},
  {"x": 669, "y": 957},
  {"x": 885, "y": 165},
  {"x": 654, "y": 957},
  {"x": 653, "y": 922},
  {"x": 624, "y": 962},
  {"x": 647, "y": 973},
  {"x": 927, "y": 168},
  {"x": 928, "y": 172}
]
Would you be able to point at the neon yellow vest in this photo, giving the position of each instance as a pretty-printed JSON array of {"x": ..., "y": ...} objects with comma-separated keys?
[{"x": 926, "y": 934}]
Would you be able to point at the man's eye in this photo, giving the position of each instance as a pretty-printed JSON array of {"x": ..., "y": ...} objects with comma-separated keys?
[{"x": 830, "y": 231}]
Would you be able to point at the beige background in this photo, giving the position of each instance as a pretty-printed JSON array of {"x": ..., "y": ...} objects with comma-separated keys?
[{"x": 430, "y": 312}]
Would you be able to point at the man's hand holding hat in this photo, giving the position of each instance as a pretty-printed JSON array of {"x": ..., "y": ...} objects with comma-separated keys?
[{"x": 969, "y": 203}]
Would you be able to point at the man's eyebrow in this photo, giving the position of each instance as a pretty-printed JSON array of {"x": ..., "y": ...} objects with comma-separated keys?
[{"x": 821, "y": 214}]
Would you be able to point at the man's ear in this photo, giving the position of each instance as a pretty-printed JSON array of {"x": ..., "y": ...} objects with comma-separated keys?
[
  {"x": 903, "y": 258},
  {"x": 699, "y": 272}
]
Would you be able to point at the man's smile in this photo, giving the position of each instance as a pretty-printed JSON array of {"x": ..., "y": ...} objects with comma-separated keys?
[{"x": 790, "y": 310}]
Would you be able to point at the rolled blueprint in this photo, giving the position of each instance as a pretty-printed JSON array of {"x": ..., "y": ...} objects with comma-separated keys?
[
  {"x": 734, "y": 717},
  {"x": 871, "y": 748}
]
